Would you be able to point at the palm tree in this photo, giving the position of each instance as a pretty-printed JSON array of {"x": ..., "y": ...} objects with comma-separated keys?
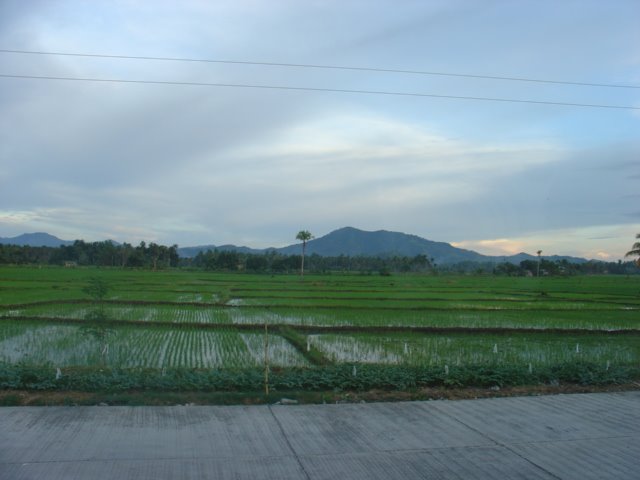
[
  {"x": 304, "y": 236},
  {"x": 635, "y": 250},
  {"x": 539, "y": 258}
]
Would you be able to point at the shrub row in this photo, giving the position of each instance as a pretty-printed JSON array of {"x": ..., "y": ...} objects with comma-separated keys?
[{"x": 323, "y": 378}]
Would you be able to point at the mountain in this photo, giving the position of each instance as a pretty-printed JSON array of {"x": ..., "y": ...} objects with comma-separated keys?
[
  {"x": 382, "y": 243},
  {"x": 38, "y": 239},
  {"x": 352, "y": 241}
]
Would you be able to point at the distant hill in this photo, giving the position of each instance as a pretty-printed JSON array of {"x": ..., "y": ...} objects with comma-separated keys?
[
  {"x": 38, "y": 239},
  {"x": 382, "y": 243}
]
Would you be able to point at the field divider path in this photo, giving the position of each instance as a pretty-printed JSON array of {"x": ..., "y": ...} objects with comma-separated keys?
[
  {"x": 550, "y": 299},
  {"x": 310, "y": 352},
  {"x": 269, "y": 306},
  {"x": 319, "y": 329}
]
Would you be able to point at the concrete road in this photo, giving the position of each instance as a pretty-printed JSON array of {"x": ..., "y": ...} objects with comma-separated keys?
[{"x": 588, "y": 436}]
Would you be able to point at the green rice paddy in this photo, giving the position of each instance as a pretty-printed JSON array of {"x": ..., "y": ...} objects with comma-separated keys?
[{"x": 192, "y": 319}]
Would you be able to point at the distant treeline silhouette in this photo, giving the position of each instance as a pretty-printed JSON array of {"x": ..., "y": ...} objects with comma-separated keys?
[{"x": 154, "y": 256}]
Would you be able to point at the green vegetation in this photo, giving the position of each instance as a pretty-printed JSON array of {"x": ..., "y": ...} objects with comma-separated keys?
[
  {"x": 635, "y": 250},
  {"x": 180, "y": 329},
  {"x": 304, "y": 236},
  {"x": 335, "y": 377},
  {"x": 96, "y": 319},
  {"x": 158, "y": 257}
]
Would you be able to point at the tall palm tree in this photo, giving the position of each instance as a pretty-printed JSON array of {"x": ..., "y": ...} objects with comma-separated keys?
[
  {"x": 539, "y": 259},
  {"x": 304, "y": 236},
  {"x": 635, "y": 250}
]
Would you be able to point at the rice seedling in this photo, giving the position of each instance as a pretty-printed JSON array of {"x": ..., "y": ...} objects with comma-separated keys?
[
  {"x": 154, "y": 347},
  {"x": 472, "y": 349}
]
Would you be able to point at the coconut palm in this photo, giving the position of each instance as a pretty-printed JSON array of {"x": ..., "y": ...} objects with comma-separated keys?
[
  {"x": 304, "y": 236},
  {"x": 539, "y": 259},
  {"x": 635, "y": 250}
]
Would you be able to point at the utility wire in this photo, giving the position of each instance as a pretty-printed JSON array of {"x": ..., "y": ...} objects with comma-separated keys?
[
  {"x": 316, "y": 89},
  {"x": 326, "y": 67}
]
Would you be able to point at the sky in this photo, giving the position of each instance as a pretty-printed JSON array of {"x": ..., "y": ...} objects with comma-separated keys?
[{"x": 202, "y": 164}]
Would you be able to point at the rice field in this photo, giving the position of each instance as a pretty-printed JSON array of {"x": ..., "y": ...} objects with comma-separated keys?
[
  {"x": 139, "y": 347},
  {"x": 193, "y": 319},
  {"x": 472, "y": 349}
]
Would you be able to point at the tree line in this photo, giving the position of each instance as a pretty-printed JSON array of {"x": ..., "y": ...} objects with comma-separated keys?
[
  {"x": 274, "y": 262},
  {"x": 101, "y": 254},
  {"x": 154, "y": 256},
  {"x": 564, "y": 267}
]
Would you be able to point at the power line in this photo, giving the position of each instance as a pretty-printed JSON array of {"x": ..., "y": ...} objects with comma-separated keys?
[
  {"x": 316, "y": 89},
  {"x": 326, "y": 67}
]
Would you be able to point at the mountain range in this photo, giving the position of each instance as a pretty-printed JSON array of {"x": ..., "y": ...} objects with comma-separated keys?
[{"x": 347, "y": 241}]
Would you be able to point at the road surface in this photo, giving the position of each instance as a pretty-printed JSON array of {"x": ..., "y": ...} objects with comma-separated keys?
[{"x": 581, "y": 436}]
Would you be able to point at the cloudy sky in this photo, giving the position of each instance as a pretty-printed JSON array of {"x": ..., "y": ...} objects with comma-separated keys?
[{"x": 207, "y": 164}]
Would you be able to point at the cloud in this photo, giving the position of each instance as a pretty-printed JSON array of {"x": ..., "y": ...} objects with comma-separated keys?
[
  {"x": 9, "y": 218},
  {"x": 499, "y": 246},
  {"x": 586, "y": 242},
  {"x": 352, "y": 167},
  {"x": 216, "y": 165}
]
